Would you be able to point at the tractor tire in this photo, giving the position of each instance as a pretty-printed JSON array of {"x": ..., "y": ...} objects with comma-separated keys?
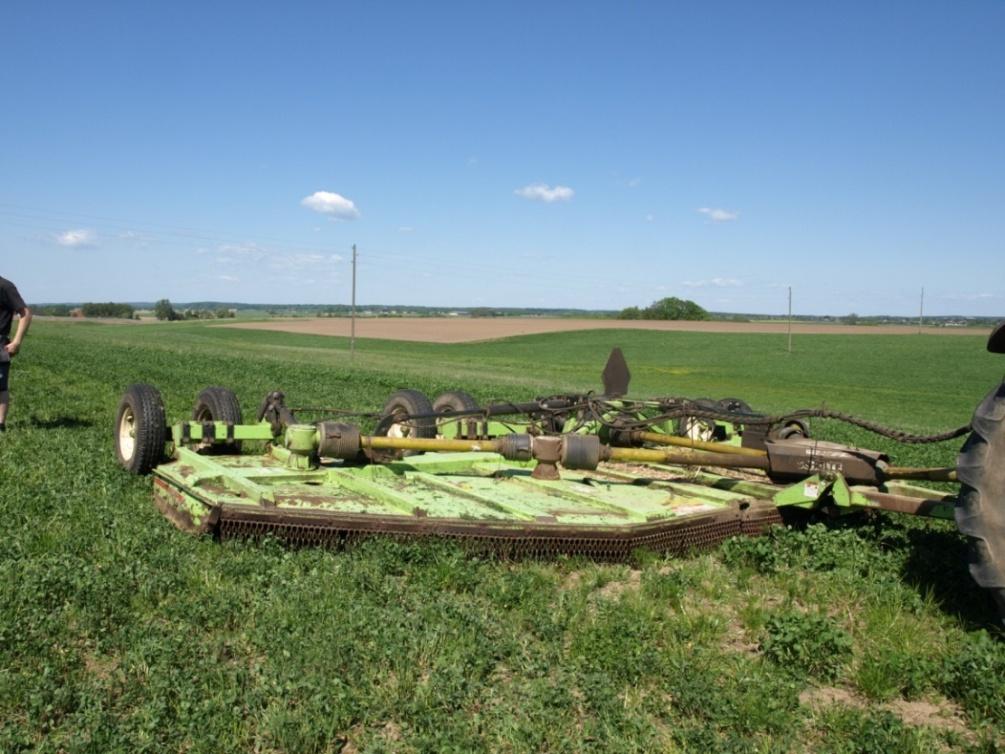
[
  {"x": 140, "y": 429},
  {"x": 980, "y": 510},
  {"x": 218, "y": 404}
]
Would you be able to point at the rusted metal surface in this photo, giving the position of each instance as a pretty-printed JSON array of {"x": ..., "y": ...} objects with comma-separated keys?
[
  {"x": 675, "y": 537},
  {"x": 616, "y": 375},
  {"x": 934, "y": 507},
  {"x": 937, "y": 474},
  {"x": 797, "y": 459},
  {"x": 549, "y": 453}
]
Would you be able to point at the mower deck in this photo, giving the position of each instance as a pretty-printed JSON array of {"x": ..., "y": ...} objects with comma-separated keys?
[{"x": 483, "y": 499}]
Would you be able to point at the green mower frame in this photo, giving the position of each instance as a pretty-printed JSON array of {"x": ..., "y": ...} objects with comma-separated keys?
[{"x": 596, "y": 475}]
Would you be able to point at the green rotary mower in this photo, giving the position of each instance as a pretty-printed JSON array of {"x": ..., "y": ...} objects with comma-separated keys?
[{"x": 598, "y": 475}]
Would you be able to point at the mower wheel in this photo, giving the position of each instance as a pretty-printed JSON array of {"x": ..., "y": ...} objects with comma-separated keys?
[
  {"x": 454, "y": 400},
  {"x": 734, "y": 406},
  {"x": 980, "y": 510},
  {"x": 790, "y": 430},
  {"x": 404, "y": 403},
  {"x": 218, "y": 404},
  {"x": 694, "y": 428},
  {"x": 140, "y": 429}
]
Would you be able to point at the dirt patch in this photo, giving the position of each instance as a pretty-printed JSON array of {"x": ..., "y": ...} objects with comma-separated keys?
[
  {"x": 828, "y": 696},
  {"x": 940, "y": 714},
  {"x": 391, "y": 732},
  {"x": 101, "y": 668},
  {"x": 463, "y": 329},
  {"x": 615, "y": 589},
  {"x": 572, "y": 581}
]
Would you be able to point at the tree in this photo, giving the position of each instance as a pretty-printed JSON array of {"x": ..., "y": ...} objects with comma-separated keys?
[
  {"x": 631, "y": 312},
  {"x": 164, "y": 310},
  {"x": 675, "y": 308},
  {"x": 110, "y": 310}
]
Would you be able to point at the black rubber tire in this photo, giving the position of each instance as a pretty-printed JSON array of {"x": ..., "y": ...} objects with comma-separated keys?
[
  {"x": 980, "y": 509},
  {"x": 140, "y": 420},
  {"x": 734, "y": 406},
  {"x": 410, "y": 402},
  {"x": 219, "y": 404},
  {"x": 404, "y": 402},
  {"x": 454, "y": 400},
  {"x": 793, "y": 429}
]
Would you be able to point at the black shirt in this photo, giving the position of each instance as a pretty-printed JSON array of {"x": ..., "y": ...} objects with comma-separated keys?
[{"x": 10, "y": 303}]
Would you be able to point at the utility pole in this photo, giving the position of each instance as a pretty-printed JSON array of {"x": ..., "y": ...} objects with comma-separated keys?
[
  {"x": 790, "y": 319},
  {"x": 921, "y": 311},
  {"x": 352, "y": 326}
]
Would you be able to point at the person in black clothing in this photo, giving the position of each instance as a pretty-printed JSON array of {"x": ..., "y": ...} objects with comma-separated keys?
[{"x": 11, "y": 303}]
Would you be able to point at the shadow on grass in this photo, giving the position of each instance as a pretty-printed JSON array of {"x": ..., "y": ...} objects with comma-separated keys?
[
  {"x": 937, "y": 563},
  {"x": 58, "y": 422},
  {"x": 936, "y": 560}
]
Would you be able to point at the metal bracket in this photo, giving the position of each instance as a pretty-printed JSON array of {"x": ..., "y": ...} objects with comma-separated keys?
[{"x": 813, "y": 491}]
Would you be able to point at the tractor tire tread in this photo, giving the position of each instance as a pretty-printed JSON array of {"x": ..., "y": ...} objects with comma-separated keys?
[{"x": 980, "y": 508}]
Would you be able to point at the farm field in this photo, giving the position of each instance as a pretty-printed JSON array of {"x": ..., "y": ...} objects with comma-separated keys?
[
  {"x": 466, "y": 329},
  {"x": 119, "y": 633}
]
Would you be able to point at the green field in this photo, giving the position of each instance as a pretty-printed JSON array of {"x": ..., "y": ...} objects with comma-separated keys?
[{"x": 119, "y": 633}]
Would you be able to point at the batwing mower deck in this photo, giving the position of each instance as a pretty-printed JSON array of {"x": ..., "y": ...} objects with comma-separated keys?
[
  {"x": 599, "y": 476},
  {"x": 481, "y": 498}
]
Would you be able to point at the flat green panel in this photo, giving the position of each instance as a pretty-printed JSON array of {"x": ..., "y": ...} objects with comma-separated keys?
[{"x": 464, "y": 486}]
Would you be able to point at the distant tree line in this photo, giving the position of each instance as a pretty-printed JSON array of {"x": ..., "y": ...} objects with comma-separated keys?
[
  {"x": 163, "y": 310},
  {"x": 666, "y": 308},
  {"x": 53, "y": 310},
  {"x": 109, "y": 310}
]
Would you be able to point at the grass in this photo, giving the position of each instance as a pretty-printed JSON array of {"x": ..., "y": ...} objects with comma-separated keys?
[{"x": 118, "y": 633}]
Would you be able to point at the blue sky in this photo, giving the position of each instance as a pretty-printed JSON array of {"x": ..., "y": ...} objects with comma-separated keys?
[{"x": 593, "y": 155}]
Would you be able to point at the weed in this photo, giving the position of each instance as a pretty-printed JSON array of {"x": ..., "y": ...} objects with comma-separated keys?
[{"x": 803, "y": 643}]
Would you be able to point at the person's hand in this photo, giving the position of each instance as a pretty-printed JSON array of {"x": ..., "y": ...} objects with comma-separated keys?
[{"x": 12, "y": 348}]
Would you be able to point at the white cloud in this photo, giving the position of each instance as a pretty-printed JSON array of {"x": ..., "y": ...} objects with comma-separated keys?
[
  {"x": 78, "y": 239},
  {"x": 650, "y": 218},
  {"x": 329, "y": 203},
  {"x": 713, "y": 283},
  {"x": 542, "y": 192},
  {"x": 228, "y": 278},
  {"x": 293, "y": 262},
  {"x": 405, "y": 229},
  {"x": 633, "y": 182},
  {"x": 717, "y": 214}
]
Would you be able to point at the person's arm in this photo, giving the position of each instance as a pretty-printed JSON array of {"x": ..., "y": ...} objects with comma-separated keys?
[{"x": 22, "y": 329}]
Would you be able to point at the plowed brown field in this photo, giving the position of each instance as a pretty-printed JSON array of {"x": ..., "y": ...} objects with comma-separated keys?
[{"x": 462, "y": 330}]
